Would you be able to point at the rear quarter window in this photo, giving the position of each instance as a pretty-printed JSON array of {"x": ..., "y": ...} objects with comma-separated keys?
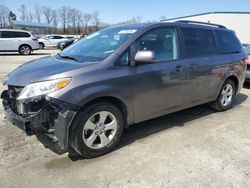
[
  {"x": 21, "y": 34},
  {"x": 198, "y": 42},
  {"x": 228, "y": 42}
]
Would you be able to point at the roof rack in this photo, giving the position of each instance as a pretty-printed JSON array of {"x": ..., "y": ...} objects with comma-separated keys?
[{"x": 202, "y": 23}]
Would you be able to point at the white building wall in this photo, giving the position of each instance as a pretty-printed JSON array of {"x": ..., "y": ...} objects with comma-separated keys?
[{"x": 239, "y": 22}]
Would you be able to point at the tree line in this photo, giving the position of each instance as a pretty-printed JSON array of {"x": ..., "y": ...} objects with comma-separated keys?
[{"x": 64, "y": 20}]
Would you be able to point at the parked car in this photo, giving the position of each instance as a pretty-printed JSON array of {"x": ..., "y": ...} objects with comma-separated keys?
[
  {"x": 20, "y": 41},
  {"x": 51, "y": 41},
  {"x": 65, "y": 44},
  {"x": 247, "y": 50},
  {"x": 80, "y": 100}
]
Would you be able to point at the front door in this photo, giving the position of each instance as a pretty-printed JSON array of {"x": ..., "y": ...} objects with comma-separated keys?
[{"x": 160, "y": 87}]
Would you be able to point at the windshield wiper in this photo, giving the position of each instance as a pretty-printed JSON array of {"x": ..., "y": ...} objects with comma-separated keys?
[{"x": 67, "y": 57}]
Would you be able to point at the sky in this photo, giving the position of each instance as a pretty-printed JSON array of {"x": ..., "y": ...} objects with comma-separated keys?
[{"x": 112, "y": 11}]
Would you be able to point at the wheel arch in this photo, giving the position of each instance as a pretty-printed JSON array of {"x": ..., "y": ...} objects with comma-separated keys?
[{"x": 113, "y": 100}]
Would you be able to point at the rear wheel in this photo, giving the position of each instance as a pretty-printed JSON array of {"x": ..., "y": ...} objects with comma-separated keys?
[
  {"x": 225, "y": 99},
  {"x": 97, "y": 130},
  {"x": 41, "y": 45},
  {"x": 25, "y": 50}
]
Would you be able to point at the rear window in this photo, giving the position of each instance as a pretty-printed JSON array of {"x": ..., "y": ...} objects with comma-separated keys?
[
  {"x": 228, "y": 42},
  {"x": 14, "y": 34},
  {"x": 198, "y": 42}
]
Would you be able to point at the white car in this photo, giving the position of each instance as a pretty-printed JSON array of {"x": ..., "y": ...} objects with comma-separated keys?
[
  {"x": 20, "y": 41},
  {"x": 51, "y": 41}
]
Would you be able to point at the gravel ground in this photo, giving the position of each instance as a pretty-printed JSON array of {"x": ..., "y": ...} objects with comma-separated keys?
[{"x": 192, "y": 148}]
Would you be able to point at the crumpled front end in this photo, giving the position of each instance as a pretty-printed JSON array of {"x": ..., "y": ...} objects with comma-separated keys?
[{"x": 49, "y": 119}]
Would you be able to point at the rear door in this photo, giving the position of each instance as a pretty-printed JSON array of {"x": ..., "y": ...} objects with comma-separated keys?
[
  {"x": 200, "y": 54},
  {"x": 160, "y": 87},
  {"x": 8, "y": 42}
]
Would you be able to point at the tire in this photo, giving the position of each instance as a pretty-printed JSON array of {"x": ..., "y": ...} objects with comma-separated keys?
[
  {"x": 92, "y": 134},
  {"x": 41, "y": 45},
  {"x": 25, "y": 50},
  {"x": 225, "y": 98}
]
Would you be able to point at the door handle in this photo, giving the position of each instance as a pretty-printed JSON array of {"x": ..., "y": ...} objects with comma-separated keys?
[{"x": 178, "y": 68}]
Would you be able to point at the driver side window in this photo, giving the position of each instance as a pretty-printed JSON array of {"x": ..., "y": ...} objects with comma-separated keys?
[{"x": 162, "y": 41}]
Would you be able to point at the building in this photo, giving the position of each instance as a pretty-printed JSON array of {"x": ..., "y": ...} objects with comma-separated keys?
[{"x": 237, "y": 21}]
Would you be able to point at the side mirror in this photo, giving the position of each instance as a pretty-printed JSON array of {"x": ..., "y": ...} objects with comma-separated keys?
[{"x": 145, "y": 57}]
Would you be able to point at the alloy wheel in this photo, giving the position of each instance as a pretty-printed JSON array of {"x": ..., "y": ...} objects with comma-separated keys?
[{"x": 99, "y": 130}]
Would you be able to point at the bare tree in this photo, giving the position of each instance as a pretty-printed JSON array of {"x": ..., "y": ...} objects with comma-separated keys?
[
  {"x": 55, "y": 20},
  {"x": 86, "y": 21},
  {"x": 4, "y": 16},
  {"x": 96, "y": 20},
  {"x": 23, "y": 12},
  {"x": 38, "y": 13},
  {"x": 162, "y": 18},
  {"x": 63, "y": 16},
  {"x": 73, "y": 18},
  {"x": 79, "y": 21},
  {"x": 138, "y": 19},
  {"x": 48, "y": 13},
  {"x": 30, "y": 17}
]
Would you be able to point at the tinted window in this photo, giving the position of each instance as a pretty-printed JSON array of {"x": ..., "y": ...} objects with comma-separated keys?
[
  {"x": 199, "y": 42},
  {"x": 7, "y": 34},
  {"x": 163, "y": 42},
  {"x": 21, "y": 34},
  {"x": 14, "y": 34},
  {"x": 228, "y": 42},
  {"x": 58, "y": 37}
]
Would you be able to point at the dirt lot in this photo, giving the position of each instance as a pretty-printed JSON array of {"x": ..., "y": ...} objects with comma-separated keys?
[{"x": 192, "y": 148}]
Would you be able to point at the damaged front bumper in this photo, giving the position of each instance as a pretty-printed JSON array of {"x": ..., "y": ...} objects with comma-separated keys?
[{"x": 50, "y": 123}]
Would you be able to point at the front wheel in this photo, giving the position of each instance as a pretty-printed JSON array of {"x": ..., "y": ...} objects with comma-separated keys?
[
  {"x": 97, "y": 130},
  {"x": 225, "y": 99}
]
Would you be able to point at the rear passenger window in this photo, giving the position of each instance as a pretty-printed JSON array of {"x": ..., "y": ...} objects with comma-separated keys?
[
  {"x": 163, "y": 42},
  {"x": 199, "y": 42},
  {"x": 14, "y": 34},
  {"x": 228, "y": 42}
]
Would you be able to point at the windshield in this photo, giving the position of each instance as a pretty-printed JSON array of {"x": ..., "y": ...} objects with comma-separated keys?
[{"x": 99, "y": 45}]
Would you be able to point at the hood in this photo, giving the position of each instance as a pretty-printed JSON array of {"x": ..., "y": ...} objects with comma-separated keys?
[{"x": 42, "y": 69}]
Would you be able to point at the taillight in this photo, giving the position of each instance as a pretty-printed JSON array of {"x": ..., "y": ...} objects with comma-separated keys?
[
  {"x": 245, "y": 60},
  {"x": 35, "y": 39}
]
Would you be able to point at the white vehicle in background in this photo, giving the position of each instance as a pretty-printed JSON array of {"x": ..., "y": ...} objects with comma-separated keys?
[
  {"x": 20, "y": 41},
  {"x": 51, "y": 41}
]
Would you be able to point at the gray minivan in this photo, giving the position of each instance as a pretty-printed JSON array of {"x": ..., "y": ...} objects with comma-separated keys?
[{"x": 80, "y": 100}]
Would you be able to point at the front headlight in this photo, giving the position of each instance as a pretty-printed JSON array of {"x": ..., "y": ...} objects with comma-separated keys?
[{"x": 40, "y": 89}]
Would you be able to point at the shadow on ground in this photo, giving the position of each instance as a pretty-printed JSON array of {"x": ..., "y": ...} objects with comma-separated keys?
[{"x": 147, "y": 128}]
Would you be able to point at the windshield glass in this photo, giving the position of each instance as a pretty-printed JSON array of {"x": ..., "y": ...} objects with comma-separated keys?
[{"x": 99, "y": 45}]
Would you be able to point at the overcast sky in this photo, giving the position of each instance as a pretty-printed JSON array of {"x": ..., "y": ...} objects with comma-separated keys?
[{"x": 116, "y": 10}]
